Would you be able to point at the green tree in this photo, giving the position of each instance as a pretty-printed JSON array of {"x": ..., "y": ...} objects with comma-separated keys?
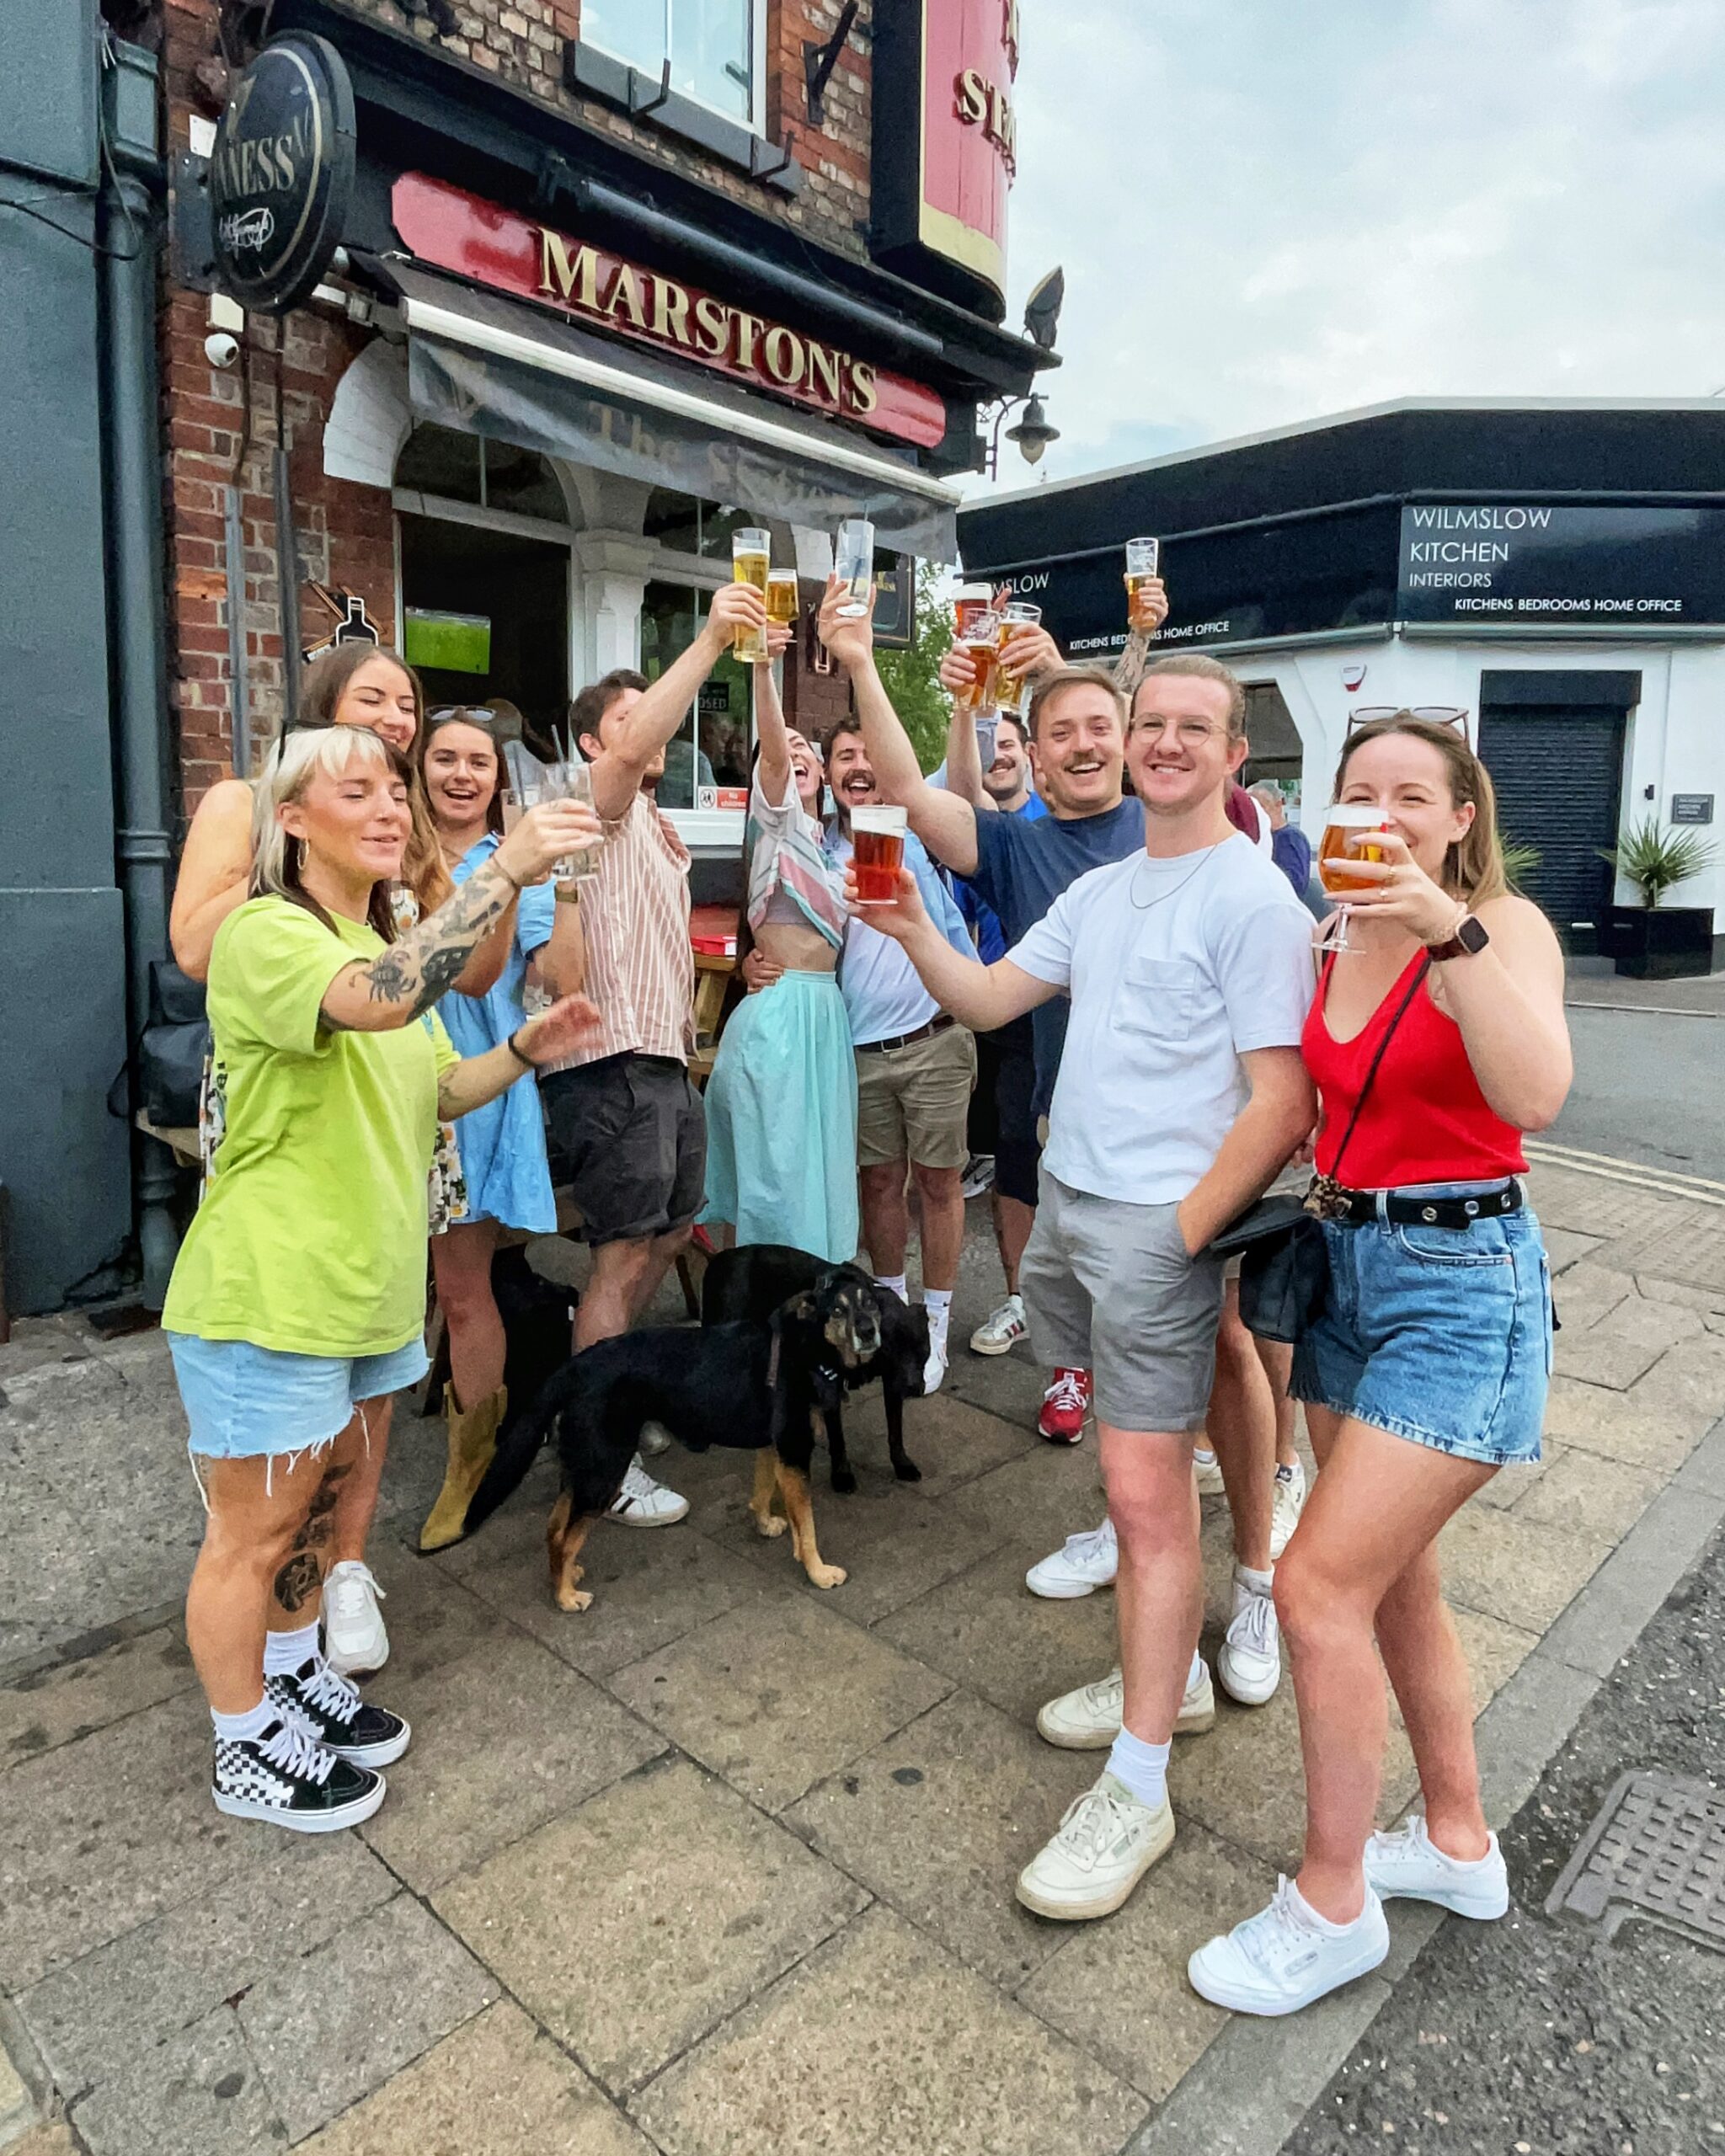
[{"x": 912, "y": 676}]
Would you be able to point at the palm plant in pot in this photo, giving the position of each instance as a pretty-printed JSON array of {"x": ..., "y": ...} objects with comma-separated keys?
[{"x": 1651, "y": 941}]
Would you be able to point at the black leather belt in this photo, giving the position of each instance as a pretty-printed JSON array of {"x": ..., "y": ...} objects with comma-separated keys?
[
  {"x": 1407, "y": 1211},
  {"x": 904, "y": 1040}
]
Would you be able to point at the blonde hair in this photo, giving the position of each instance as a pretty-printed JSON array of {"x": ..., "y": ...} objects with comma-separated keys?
[
  {"x": 1473, "y": 867},
  {"x": 296, "y": 758},
  {"x": 1200, "y": 668},
  {"x": 1063, "y": 678}
]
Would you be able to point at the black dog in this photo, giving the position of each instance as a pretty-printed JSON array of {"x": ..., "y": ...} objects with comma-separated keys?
[
  {"x": 753, "y": 1280},
  {"x": 749, "y": 1386}
]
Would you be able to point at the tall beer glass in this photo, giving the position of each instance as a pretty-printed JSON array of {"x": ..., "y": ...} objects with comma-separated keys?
[
  {"x": 1013, "y": 692},
  {"x": 970, "y": 602},
  {"x": 1142, "y": 556},
  {"x": 854, "y": 560},
  {"x": 1336, "y": 855},
  {"x": 751, "y": 555},
  {"x": 782, "y": 595},
  {"x": 878, "y": 852},
  {"x": 981, "y": 645}
]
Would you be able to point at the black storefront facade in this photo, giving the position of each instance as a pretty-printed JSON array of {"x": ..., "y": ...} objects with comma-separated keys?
[{"x": 1557, "y": 569}]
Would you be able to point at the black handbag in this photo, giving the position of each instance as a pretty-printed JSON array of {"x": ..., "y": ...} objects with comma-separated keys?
[
  {"x": 173, "y": 1048},
  {"x": 1284, "y": 1262}
]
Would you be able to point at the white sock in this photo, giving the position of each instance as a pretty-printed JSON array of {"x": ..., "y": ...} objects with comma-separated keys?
[
  {"x": 251, "y": 1724},
  {"x": 938, "y": 1304},
  {"x": 896, "y": 1282},
  {"x": 1202, "y": 1456},
  {"x": 1323, "y": 1924},
  {"x": 1254, "y": 1583},
  {"x": 1143, "y": 1767},
  {"x": 285, "y": 1652}
]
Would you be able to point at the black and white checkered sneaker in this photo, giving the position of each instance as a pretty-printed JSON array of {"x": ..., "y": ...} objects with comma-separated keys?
[
  {"x": 286, "y": 1777},
  {"x": 341, "y": 1718}
]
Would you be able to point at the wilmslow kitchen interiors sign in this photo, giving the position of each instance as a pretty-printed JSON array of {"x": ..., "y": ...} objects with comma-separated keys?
[
  {"x": 494, "y": 246},
  {"x": 1523, "y": 563},
  {"x": 282, "y": 174}
]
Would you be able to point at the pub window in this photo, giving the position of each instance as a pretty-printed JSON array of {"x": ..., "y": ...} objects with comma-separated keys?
[
  {"x": 712, "y": 746},
  {"x": 683, "y": 524},
  {"x": 459, "y": 467},
  {"x": 714, "y": 47}
]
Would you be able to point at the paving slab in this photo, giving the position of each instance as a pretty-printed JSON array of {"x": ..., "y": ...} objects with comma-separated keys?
[
  {"x": 1688, "y": 1381},
  {"x": 773, "y": 1708},
  {"x": 505, "y": 1737},
  {"x": 1119, "y": 1988},
  {"x": 331, "y": 2027},
  {"x": 1564, "y": 1248},
  {"x": 1499, "y": 1564},
  {"x": 630, "y": 1926},
  {"x": 1587, "y": 1292},
  {"x": 57, "y": 1706},
  {"x": 940, "y": 1820},
  {"x": 497, "y": 2087},
  {"x": 1495, "y": 1650},
  {"x": 1585, "y": 1495},
  {"x": 1600, "y": 1205},
  {"x": 53, "y": 2139},
  {"x": 199, "y": 2093},
  {"x": 881, "y": 2044},
  {"x": 1629, "y": 1427},
  {"x": 89, "y": 2019}
]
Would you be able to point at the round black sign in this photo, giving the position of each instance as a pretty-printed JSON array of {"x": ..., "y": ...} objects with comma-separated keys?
[{"x": 282, "y": 174}]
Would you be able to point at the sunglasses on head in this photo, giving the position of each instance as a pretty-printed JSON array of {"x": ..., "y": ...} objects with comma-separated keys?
[
  {"x": 468, "y": 715},
  {"x": 1428, "y": 714}
]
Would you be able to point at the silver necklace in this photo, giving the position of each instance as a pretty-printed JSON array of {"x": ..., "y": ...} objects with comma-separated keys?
[{"x": 1144, "y": 905}]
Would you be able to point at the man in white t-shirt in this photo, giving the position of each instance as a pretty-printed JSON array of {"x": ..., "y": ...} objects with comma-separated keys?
[{"x": 1181, "y": 1095}]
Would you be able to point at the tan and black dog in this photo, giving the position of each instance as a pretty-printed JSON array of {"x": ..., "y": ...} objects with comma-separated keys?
[{"x": 752, "y": 1386}]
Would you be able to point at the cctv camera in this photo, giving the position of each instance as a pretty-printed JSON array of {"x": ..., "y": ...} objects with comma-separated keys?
[{"x": 220, "y": 348}]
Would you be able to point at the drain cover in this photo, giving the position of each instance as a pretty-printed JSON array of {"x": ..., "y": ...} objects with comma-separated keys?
[{"x": 1657, "y": 1849}]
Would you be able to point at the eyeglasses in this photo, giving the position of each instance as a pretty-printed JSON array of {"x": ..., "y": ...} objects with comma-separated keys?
[
  {"x": 1428, "y": 714},
  {"x": 468, "y": 714},
  {"x": 1189, "y": 733}
]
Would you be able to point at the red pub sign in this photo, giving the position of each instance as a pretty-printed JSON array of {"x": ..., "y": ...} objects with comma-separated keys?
[{"x": 489, "y": 245}]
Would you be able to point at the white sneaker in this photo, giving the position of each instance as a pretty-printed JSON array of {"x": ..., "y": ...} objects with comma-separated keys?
[
  {"x": 1208, "y": 1471},
  {"x": 1002, "y": 1329},
  {"x": 934, "y": 1369},
  {"x": 1286, "y": 1505},
  {"x": 1089, "y": 1719},
  {"x": 978, "y": 1175},
  {"x": 643, "y": 1502},
  {"x": 1250, "y": 1663},
  {"x": 1101, "y": 1849},
  {"x": 355, "y": 1636},
  {"x": 1279, "y": 1960},
  {"x": 1082, "y": 1563},
  {"x": 1409, "y": 1866}
]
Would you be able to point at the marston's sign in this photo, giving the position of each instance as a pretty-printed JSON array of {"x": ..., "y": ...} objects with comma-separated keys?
[
  {"x": 943, "y": 74},
  {"x": 492, "y": 246},
  {"x": 281, "y": 173}
]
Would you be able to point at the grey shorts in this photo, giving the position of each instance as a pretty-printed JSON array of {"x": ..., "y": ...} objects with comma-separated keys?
[{"x": 1108, "y": 1286}]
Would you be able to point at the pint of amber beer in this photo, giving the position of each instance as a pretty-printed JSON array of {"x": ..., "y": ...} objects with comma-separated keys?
[
  {"x": 980, "y": 647},
  {"x": 782, "y": 595},
  {"x": 751, "y": 552},
  {"x": 1335, "y": 856},
  {"x": 877, "y": 852},
  {"x": 1142, "y": 556}
]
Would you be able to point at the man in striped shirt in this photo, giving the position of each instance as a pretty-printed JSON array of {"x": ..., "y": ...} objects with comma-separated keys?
[{"x": 626, "y": 1127}]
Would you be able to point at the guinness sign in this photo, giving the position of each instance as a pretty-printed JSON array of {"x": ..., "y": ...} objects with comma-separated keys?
[{"x": 281, "y": 173}]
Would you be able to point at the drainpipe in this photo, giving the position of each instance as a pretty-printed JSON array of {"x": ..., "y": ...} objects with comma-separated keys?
[{"x": 137, "y": 627}]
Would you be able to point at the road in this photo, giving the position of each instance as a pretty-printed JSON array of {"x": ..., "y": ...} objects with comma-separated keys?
[{"x": 1648, "y": 1087}]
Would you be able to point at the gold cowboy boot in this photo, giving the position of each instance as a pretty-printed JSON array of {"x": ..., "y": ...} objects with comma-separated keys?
[{"x": 473, "y": 1445}]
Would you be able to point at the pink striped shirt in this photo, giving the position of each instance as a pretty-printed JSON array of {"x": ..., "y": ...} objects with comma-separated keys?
[{"x": 640, "y": 963}]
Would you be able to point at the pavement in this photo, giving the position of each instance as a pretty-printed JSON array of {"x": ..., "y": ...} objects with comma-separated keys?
[{"x": 723, "y": 1867}]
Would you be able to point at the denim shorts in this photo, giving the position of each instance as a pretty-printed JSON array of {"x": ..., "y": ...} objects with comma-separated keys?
[
  {"x": 246, "y": 1402},
  {"x": 1442, "y": 1336}
]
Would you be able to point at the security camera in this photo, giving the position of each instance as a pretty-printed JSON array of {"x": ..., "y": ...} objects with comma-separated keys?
[{"x": 221, "y": 348}]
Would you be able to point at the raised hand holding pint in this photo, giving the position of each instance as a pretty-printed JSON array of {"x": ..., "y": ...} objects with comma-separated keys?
[{"x": 878, "y": 852}]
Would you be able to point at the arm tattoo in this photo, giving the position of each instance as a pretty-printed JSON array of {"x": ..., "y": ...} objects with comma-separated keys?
[{"x": 429, "y": 958}]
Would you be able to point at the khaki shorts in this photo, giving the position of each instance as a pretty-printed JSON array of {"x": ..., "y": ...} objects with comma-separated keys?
[{"x": 913, "y": 1103}]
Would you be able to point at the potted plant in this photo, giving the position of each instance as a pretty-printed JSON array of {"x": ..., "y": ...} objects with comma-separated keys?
[{"x": 1651, "y": 941}]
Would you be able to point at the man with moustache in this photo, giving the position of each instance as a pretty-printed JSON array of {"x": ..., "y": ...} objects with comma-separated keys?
[{"x": 1188, "y": 968}]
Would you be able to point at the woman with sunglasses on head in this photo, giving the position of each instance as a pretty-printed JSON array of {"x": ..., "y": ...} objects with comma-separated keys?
[
  {"x": 782, "y": 1101},
  {"x": 1436, "y": 1039},
  {"x": 351, "y": 685},
  {"x": 503, "y": 1144},
  {"x": 298, "y": 1297}
]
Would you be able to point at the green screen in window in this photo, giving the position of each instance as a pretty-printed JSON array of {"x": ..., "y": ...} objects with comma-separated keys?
[{"x": 458, "y": 643}]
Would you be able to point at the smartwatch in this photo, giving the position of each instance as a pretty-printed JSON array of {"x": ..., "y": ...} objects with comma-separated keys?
[{"x": 1468, "y": 940}]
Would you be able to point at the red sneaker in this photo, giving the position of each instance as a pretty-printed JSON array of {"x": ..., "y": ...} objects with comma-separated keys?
[{"x": 1064, "y": 1405}]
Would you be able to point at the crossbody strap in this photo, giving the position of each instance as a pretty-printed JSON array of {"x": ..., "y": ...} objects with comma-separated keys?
[{"x": 1414, "y": 987}]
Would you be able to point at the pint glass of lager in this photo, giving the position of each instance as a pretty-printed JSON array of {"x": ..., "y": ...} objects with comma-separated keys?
[
  {"x": 855, "y": 563},
  {"x": 877, "y": 852},
  {"x": 751, "y": 552},
  {"x": 1336, "y": 855},
  {"x": 782, "y": 595},
  {"x": 1013, "y": 690},
  {"x": 1142, "y": 558},
  {"x": 979, "y": 644}
]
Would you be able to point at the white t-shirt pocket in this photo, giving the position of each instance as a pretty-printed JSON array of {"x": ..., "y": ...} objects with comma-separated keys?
[{"x": 1156, "y": 997}]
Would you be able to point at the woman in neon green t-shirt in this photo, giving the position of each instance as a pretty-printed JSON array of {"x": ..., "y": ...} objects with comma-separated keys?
[{"x": 300, "y": 1288}]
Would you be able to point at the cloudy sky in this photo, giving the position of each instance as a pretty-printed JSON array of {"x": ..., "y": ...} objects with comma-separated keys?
[{"x": 1268, "y": 213}]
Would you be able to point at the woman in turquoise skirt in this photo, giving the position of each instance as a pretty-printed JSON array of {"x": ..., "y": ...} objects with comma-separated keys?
[{"x": 782, "y": 1101}]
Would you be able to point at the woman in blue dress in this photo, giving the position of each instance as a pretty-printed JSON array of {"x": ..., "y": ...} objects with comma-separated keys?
[
  {"x": 782, "y": 1101},
  {"x": 503, "y": 1145}
]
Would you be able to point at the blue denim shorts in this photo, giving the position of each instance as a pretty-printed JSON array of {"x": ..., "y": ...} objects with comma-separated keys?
[
  {"x": 1442, "y": 1336},
  {"x": 246, "y": 1402}
]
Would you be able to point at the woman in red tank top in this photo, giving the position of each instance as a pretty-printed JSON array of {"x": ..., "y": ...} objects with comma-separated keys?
[{"x": 1436, "y": 1039}]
